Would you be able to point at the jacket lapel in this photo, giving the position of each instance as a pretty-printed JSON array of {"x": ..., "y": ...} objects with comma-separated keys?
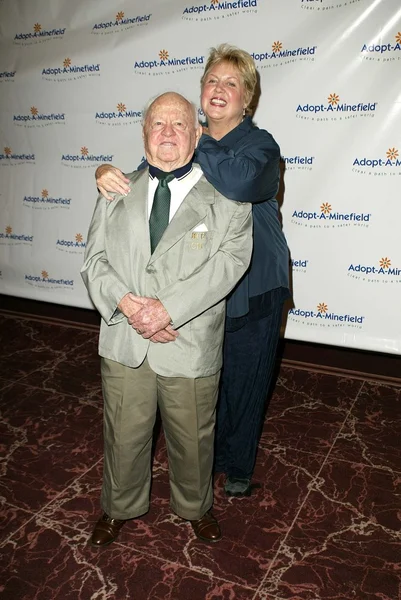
[{"x": 136, "y": 204}]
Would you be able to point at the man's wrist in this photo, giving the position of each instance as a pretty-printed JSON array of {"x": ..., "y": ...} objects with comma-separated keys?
[{"x": 122, "y": 304}]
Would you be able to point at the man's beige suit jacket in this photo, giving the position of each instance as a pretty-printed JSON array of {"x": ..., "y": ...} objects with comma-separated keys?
[{"x": 204, "y": 251}]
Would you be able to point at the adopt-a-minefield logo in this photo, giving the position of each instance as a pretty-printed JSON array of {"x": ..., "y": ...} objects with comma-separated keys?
[
  {"x": 279, "y": 55},
  {"x": 85, "y": 159},
  {"x": 68, "y": 71},
  {"x": 39, "y": 35},
  {"x": 389, "y": 164},
  {"x": 37, "y": 118},
  {"x": 336, "y": 110},
  {"x": 10, "y": 237},
  {"x": 76, "y": 245},
  {"x": 382, "y": 272},
  {"x": 47, "y": 281},
  {"x": 165, "y": 64},
  {"x": 387, "y": 51},
  {"x": 120, "y": 23},
  {"x": 299, "y": 162},
  {"x": 328, "y": 218},
  {"x": 12, "y": 159},
  {"x": 121, "y": 115},
  {"x": 218, "y": 9},
  {"x": 7, "y": 76},
  {"x": 321, "y": 316},
  {"x": 299, "y": 265},
  {"x": 46, "y": 201},
  {"x": 327, "y": 5}
]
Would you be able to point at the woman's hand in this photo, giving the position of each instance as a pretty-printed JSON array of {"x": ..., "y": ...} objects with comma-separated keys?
[{"x": 111, "y": 179}]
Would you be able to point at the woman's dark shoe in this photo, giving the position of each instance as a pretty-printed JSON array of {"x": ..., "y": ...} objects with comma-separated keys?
[{"x": 239, "y": 488}]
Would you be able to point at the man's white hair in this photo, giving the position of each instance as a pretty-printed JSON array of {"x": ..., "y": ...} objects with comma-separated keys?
[{"x": 148, "y": 105}]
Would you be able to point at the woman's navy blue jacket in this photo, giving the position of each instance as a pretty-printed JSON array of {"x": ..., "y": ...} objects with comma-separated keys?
[{"x": 245, "y": 166}]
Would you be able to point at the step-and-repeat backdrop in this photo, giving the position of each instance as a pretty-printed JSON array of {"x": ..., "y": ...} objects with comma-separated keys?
[{"x": 74, "y": 77}]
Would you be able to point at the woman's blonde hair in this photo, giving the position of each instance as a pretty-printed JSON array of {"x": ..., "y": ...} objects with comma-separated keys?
[{"x": 241, "y": 60}]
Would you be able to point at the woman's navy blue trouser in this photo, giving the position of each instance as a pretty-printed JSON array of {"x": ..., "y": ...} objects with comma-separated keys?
[{"x": 250, "y": 348}]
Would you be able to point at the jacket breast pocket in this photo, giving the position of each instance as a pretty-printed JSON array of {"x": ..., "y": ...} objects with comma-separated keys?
[
  {"x": 199, "y": 246},
  {"x": 198, "y": 249},
  {"x": 199, "y": 240}
]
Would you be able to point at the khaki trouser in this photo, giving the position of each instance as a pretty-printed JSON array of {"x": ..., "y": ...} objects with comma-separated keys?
[{"x": 188, "y": 410}]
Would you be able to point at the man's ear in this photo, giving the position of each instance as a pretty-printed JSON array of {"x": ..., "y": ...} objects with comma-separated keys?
[{"x": 198, "y": 134}]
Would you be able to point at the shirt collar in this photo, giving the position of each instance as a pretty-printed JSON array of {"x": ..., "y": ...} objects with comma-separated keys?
[{"x": 179, "y": 173}]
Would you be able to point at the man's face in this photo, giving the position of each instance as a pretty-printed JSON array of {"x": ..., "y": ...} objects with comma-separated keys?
[{"x": 169, "y": 132}]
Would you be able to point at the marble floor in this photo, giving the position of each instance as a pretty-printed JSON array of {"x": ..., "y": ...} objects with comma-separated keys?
[{"x": 325, "y": 523}]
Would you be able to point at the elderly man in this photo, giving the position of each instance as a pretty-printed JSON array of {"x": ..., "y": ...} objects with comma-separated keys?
[{"x": 158, "y": 265}]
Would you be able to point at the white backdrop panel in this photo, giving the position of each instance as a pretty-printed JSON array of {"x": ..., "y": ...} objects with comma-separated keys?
[{"x": 74, "y": 78}]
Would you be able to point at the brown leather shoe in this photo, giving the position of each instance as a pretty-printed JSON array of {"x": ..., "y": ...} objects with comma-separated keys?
[
  {"x": 207, "y": 528},
  {"x": 106, "y": 531}
]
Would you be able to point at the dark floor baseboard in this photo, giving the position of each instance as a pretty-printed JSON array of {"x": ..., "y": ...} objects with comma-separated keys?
[
  {"x": 304, "y": 355},
  {"x": 358, "y": 364},
  {"x": 48, "y": 311}
]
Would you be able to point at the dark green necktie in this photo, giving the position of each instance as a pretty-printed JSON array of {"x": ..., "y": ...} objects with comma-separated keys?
[{"x": 159, "y": 216}]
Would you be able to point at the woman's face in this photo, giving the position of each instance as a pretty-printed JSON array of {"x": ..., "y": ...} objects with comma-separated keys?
[{"x": 223, "y": 95}]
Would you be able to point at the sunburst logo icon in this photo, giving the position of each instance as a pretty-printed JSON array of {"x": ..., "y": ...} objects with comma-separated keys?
[
  {"x": 277, "y": 46},
  {"x": 37, "y": 27},
  {"x": 322, "y": 308},
  {"x": 385, "y": 262},
  {"x": 325, "y": 208},
  {"x": 119, "y": 16},
  {"x": 9, "y": 229},
  {"x": 7, "y": 150},
  {"x": 333, "y": 99},
  {"x": 78, "y": 237},
  {"x": 84, "y": 151},
  {"x": 398, "y": 37},
  {"x": 67, "y": 62},
  {"x": 34, "y": 111},
  {"x": 392, "y": 153},
  {"x": 214, "y": 1},
  {"x": 121, "y": 107},
  {"x": 45, "y": 274},
  {"x": 45, "y": 193},
  {"x": 163, "y": 55}
]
